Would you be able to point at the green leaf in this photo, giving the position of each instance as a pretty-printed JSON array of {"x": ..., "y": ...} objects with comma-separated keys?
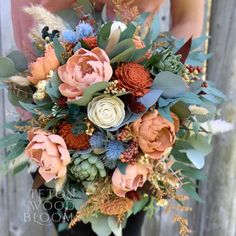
[
  {"x": 104, "y": 13},
  {"x": 89, "y": 93},
  {"x": 62, "y": 227},
  {"x": 43, "y": 107},
  {"x": 172, "y": 85},
  {"x": 215, "y": 92},
  {"x": 202, "y": 148},
  {"x": 53, "y": 122},
  {"x": 198, "y": 42},
  {"x": 19, "y": 59},
  {"x": 86, "y": 5},
  {"x": 179, "y": 156},
  {"x": 114, "y": 226},
  {"x": 9, "y": 140},
  {"x": 165, "y": 112},
  {"x": 19, "y": 164},
  {"x": 181, "y": 110},
  {"x": 70, "y": 16},
  {"x": 139, "y": 54},
  {"x": 141, "y": 19},
  {"x": 123, "y": 57},
  {"x": 100, "y": 225},
  {"x": 104, "y": 35},
  {"x": 153, "y": 60},
  {"x": 128, "y": 33},
  {"x": 16, "y": 150},
  {"x": 123, "y": 51},
  {"x": 78, "y": 203},
  {"x": 122, "y": 167},
  {"x": 191, "y": 191},
  {"x": 139, "y": 205},
  {"x": 7, "y": 67},
  {"x": 60, "y": 51},
  {"x": 154, "y": 30},
  {"x": 52, "y": 87},
  {"x": 149, "y": 99},
  {"x": 189, "y": 171}
]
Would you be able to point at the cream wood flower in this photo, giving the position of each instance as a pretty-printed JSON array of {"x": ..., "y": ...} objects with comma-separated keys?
[{"x": 106, "y": 111}]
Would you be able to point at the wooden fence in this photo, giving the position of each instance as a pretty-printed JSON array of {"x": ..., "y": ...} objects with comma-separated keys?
[{"x": 215, "y": 217}]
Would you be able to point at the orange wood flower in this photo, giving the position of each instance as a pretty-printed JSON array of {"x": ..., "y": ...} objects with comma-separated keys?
[
  {"x": 91, "y": 42},
  {"x": 134, "y": 78},
  {"x": 75, "y": 142}
]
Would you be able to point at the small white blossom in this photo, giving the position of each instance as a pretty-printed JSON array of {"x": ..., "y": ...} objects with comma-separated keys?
[
  {"x": 195, "y": 110},
  {"x": 217, "y": 126}
]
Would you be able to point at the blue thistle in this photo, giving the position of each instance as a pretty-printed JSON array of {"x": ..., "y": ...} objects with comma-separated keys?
[
  {"x": 98, "y": 140},
  {"x": 83, "y": 30},
  {"x": 69, "y": 36},
  {"x": 114, "y": 150}
]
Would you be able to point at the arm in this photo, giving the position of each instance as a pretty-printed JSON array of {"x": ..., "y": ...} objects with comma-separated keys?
[{"x": 187, "y": 18}]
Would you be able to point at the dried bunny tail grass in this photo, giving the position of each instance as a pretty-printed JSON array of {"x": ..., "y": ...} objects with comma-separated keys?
[{"x": 43, "y": 18}]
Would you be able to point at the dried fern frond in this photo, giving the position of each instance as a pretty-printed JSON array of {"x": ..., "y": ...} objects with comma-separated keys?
[
  {"x": 104, "y": 201},
  {"x": 126, "y": 10},
  {"x": 42, "y": 18}
]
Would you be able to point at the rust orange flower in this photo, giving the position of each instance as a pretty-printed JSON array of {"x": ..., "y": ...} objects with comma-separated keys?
[
  {"x": 134, "y": 78},
  {"x": 75, "y": 142},
  {"x": 91, "y": 42}
]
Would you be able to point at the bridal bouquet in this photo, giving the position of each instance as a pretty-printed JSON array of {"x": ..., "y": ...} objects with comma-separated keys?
[{"x": 117, "y": 113}]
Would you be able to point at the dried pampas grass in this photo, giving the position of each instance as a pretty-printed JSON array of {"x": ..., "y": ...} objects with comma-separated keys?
[{"x": 43, "y": 18}]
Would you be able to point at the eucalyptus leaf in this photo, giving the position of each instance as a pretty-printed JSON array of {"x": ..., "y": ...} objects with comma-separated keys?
[
  {"x": 16, "y": 150},
  {"x": 7, "y": 67},
  {"x": 114, "y": 226},
  {"x": 181, "y": 110},
  {"x": 104, "y": 35},
  {"x": 100, "y": 225},
  {"x": 89, "y": 93},
  {"x": 139, "y": 205},
  {"x": 19, "y": 59},
  {"x": 78, "y": 203},
  {"x": 87, "y": 6},
  {"x": 201, "y": 148},
  {"x": 129, "y": 118},
  {"x": 123, "y": 51},
  {"x": 141, "y": 19},
  {"x": 128, "y": 33},
  {"x": 191, "y": 191},
  {"x": 9, "y": 140},
  {"x": 150, "y": 98},
  {"x": 60, "y": 51},
  {"x": 52, "y": 87},
  {"x": 122, "y": 167},
  {"x": 172, "y": 85}
]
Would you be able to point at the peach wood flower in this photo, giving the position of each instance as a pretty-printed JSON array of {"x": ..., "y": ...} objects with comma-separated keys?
[
  {"x": 134, "y": 78},
  {"x": 155, "y": 134},
  {"x": 83, "y": 69},
  {"x": 135, "y": 176},
  {"x": 49, "y": 151},
  {"x": 43, "y": 65}
]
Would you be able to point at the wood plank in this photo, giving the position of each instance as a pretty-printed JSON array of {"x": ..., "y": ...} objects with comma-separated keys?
[{"x": 218, "y": 215}]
